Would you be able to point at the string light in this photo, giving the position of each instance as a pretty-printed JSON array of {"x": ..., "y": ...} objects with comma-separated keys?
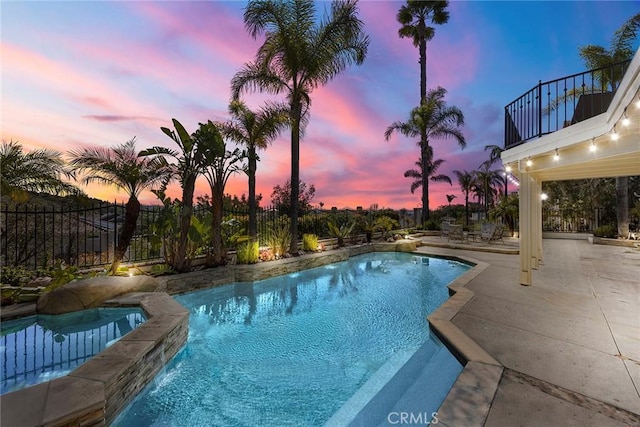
[
  {"x": 593, "y": 147},
  {"x": 625, "y": 119},
  {"x": 638, "y": 103},
  {"x": 614, "y": 134},
  {"x": 529, "y": 162},
  {"x": 556, "y": 156}
]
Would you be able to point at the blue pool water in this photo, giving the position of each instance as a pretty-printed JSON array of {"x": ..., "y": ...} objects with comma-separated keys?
[
  {"x": 39, "y": 348},
  {"x": 293, "y": 349}
]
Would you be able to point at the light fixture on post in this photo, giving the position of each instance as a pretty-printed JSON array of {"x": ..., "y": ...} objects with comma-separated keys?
[
  {"x": 614, "y": 134},
  {"x": 556, "y": 156}
]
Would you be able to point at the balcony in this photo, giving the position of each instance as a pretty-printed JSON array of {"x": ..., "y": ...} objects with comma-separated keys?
[{"x": 557, "y": 104}]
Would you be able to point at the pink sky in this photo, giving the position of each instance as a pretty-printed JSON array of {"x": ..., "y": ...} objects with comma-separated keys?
[{"x": 99, "y": 73}]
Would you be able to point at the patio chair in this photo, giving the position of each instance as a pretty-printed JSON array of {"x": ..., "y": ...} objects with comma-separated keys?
[
  {"x": 487, "y": 232},
  {"x": 444, "y": 228},
  {"x": 497, "y": 234},
  {"x": 456, "y": 233}
]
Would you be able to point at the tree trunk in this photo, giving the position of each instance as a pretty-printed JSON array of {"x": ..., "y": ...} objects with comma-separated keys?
[
  {"x": 182, "y": 264},
  {"x": 217, "y": 197},
  {"x": 253, "y": 208},
  {"x": 622, "y": 205},
  {"x": 296, "y": 113},
  {"x": 424, "y": 142},
  {"x": 424, "y": 148},
  {"x": 131, "y": 213}
]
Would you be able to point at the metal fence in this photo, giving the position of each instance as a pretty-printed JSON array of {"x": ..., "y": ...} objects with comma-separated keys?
[
  {"x": 40, "y": 237},
  {"x": 575, "y": 221},
  {"x": 556, "y": 104}
]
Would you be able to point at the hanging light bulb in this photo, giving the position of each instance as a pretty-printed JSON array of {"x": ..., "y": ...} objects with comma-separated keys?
[
  {"x": 638, "y": 103},
  {"x": 592, "y": 146},
  {"x": 556, "y": 156},
  {"x": 529, "y": 163},
  {"x": 614, "y": 134}
]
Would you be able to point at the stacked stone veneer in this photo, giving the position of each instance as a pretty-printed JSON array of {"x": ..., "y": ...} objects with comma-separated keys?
[{"x": 97, "y": 391}]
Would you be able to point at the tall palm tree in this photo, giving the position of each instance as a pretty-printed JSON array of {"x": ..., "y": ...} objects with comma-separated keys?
[
  {"x": 435, "y": 119},
  {"x": 254, "y": 130},
  {"x": 594, "y": 56},
  {"x": 121, "y": 167},
  {"x": 297, "y": 56},
  {"x": 466, "y": 181},
  {"x": 38, "y": 171},
  {"x": 413, "y": 17},
  {"x": 190, "y": 161},
  {"x": 432, "y": 169}
]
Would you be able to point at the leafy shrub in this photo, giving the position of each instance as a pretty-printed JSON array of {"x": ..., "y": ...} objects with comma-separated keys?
[
  {"x": 279, "y": 237},
  {"x": 14, "y": 276},
  {"x": 340, "y": 232},
  {"x": 309, "y": 242},
  {"x": 248, "y": 252},
  {"x": 386, "y": 224},
  {"x": 432, "y": 225},
  {"x": 609, "y": 231}
]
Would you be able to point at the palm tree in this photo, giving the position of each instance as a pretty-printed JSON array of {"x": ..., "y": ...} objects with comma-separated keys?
[
  {"x": 450, "y": 198},
  {"x": 413, "y": 17},
  {"x": 255, "y": 130},
  {"x": 120, "y": 166},
  {"x": 190, "y": 162},
  {"x": 297, "y": 56},
  {"x": 435, "y": 119},
  {"x": 432, "y": 168},
  {"x": 621, "y": 49},
  {"x": 38, "y": 171},
  {"x": 466, "y": 181},
  {"x": 486, "y": 180}
]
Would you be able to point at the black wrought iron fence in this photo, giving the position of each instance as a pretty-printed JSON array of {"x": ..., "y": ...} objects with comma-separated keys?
[
  {"x": 41, "y": 237},
  {"x": 556, "y": 104}
]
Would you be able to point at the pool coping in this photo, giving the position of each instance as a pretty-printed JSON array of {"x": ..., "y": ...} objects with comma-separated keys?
[
  {"x": 95, "y": 392},
  {"x": 469, "y": 400}
]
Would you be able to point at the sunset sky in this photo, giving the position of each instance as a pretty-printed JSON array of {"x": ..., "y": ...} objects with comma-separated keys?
[{"x": 87, "y": 73}]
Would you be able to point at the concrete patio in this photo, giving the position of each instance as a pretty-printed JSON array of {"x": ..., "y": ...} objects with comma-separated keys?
[{"x": 569, "y": 345}]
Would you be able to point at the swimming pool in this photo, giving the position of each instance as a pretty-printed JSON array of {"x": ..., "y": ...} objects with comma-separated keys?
[
  {"x": 40, "y": 348},
  {"x": 293, "y": 349}
]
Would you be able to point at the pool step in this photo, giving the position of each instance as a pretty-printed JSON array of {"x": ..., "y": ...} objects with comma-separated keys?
[{"x": 416, "y": 390}]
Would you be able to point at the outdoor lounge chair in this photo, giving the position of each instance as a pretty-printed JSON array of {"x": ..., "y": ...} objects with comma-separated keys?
[
  {"x": 444, "y": 229},
  {"x": 456, "y": 233},
  {"x": 487, "y": 232},
  {"x": 497, "y": 234}
]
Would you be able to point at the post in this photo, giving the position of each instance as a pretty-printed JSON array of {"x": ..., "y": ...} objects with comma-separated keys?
[{"x": 539, "y": 108}]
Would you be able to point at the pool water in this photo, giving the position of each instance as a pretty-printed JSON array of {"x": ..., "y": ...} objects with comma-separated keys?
[
  {"x": 40, "y": 348},
  {"x": 292, "y": 350}
]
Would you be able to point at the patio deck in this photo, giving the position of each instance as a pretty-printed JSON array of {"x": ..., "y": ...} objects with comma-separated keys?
[{"x": 569, "y": 345}]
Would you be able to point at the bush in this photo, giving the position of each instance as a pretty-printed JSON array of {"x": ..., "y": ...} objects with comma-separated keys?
[
  {"x": 432, "y": 225},
  {"x": 309, "y": 242},
  {"x": 248, "y": 252},
  {"x": 609, "y": 231},
  {"x": 279, "y": 237}
]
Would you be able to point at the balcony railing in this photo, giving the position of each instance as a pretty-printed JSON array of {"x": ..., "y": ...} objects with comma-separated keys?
[{"x": 556, "y": 104}]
